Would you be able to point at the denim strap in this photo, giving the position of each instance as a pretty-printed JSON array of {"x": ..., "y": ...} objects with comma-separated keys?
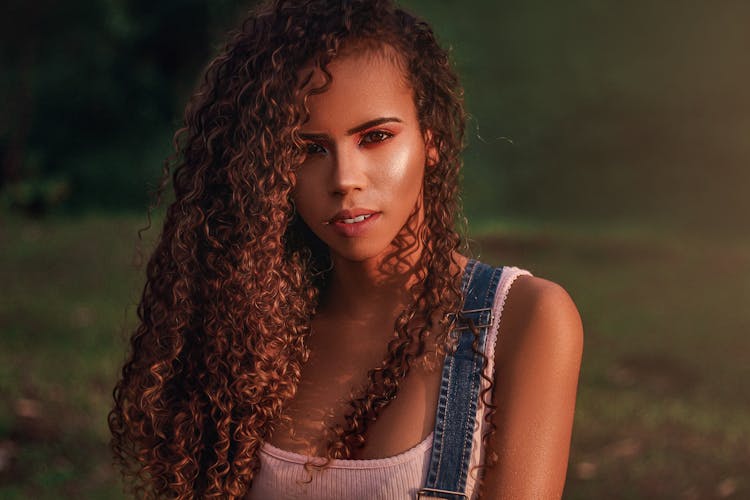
[{"x": 459, "y": 389}]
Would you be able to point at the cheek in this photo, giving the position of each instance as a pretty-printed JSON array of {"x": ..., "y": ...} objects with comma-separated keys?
[
  {"x": 406, "y": 172},
  {"x": 304, "y": 196}
]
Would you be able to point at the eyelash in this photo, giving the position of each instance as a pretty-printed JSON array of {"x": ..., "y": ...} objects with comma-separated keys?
[
  {"x": 384, "y": 136},
  {"x": 371, "y": 137},
  {"x": 310, "y": 146}
]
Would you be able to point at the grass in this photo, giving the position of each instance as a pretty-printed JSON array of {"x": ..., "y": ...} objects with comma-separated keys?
[
  {"x": 661, "y": 410},
  {"x": 69, "y": 293}
]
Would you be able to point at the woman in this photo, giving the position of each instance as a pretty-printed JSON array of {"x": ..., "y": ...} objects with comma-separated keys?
[{"x": 307, "y": 296}]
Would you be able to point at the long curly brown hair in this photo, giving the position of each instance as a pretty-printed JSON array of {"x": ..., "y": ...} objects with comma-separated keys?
[{"x": 235, "y": 277}]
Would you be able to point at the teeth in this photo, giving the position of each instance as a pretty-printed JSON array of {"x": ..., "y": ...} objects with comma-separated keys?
[{"x": 359, "y": 218}]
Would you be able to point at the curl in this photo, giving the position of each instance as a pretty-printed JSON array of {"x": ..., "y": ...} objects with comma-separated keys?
[{"x": 236, "y": 276}]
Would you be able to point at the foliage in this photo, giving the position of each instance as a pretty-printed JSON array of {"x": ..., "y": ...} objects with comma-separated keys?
[
  {"x": 35, "y": 196},
  {"x": 613, "y": 109},
  {"x": 104, "y": 77}
]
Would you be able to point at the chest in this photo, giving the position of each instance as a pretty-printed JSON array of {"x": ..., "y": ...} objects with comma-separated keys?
[{"x": 337, "y": 371}]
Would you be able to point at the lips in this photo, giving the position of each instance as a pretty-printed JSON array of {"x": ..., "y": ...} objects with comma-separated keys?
[
  {"x": 353, "y": 223},
  {"x": 356, "y": 219},
  {"x": 351, "y": 216}
]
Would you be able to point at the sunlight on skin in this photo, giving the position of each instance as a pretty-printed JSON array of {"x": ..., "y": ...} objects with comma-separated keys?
[{"x": 366, "y": 155}]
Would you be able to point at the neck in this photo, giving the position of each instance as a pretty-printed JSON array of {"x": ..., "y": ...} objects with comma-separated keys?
[{"x": 380, "y": 284}]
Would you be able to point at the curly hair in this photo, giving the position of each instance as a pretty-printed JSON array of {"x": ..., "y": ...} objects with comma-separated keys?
[{"x": 235, "y": 278}]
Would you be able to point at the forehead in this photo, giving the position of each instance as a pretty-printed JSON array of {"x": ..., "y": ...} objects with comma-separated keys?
[
  {"x": 364, "y": 51},
  {"x": 365, "y": 84}
]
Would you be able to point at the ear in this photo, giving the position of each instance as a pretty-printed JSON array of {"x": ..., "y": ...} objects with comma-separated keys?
[{"x": 431, "y": 151}]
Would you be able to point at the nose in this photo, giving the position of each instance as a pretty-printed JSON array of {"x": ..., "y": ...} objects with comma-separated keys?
[{"x": 348, "y": 171}]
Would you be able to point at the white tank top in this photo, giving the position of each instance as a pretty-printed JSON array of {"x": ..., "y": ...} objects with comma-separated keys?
[{"x": 283, "y": 475}]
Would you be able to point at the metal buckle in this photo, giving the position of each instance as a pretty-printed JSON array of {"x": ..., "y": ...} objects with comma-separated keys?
[
  {"x": 425, "y": 493},
  {"x": 465, "y": 316}
]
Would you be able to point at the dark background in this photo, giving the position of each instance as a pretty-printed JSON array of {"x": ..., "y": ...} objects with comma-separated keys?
[
  {"x": 608, "y": 150},
  {"x": 618, "y": 109}
]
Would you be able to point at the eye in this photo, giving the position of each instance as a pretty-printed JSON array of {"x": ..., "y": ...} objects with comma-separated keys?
[
  {"x": 313, "y": 148},
  {"x": 375, "y": 136}
]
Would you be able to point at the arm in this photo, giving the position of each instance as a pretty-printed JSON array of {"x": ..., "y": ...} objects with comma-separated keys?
[{"x": 538, "y": 359}]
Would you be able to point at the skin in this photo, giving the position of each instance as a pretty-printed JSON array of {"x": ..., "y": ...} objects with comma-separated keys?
[
  {"x": 381, "y": 168},
  {"x": 365, "y": 151},
  {"x": 538, "y": 359}
]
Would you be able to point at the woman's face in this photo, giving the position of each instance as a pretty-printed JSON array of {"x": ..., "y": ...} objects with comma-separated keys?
[{"x": 362, "y": 176}]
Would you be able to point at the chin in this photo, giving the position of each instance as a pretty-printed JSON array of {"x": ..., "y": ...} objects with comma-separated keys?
[
  {"x": 360, "y": 251},
  {"x": 355, "y": 254}
]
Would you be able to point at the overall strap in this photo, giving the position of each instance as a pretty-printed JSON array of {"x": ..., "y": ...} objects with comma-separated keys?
[{"x": 459, "y": 388}]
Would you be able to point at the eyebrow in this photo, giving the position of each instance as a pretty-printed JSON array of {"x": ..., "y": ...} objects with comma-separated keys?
[{"x": 358, "y": 128}]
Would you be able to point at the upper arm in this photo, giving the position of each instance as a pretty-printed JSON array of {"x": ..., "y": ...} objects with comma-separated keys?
[{"x": 537, "y": 362}]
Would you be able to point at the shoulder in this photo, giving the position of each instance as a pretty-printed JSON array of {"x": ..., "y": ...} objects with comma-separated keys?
[
  {"x": 538, "y": 359},
  {"x": 539, "y": 313}
]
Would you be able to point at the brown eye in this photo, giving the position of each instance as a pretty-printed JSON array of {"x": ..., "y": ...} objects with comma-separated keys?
[
  {"x": 312, "y": 148},
  {"x": 375, "y": 136}
]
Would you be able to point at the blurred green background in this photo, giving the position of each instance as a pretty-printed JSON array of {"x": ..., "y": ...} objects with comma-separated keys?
[{"x": 608, "y": 150}]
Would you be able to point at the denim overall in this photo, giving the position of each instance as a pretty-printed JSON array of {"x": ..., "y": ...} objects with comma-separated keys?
[{"x": 459, "y": 389}]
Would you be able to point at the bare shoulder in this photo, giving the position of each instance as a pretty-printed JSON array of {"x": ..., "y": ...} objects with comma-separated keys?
[
  {"x": 538, "y": 359},
  {"x": 539, "y": 312}
]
